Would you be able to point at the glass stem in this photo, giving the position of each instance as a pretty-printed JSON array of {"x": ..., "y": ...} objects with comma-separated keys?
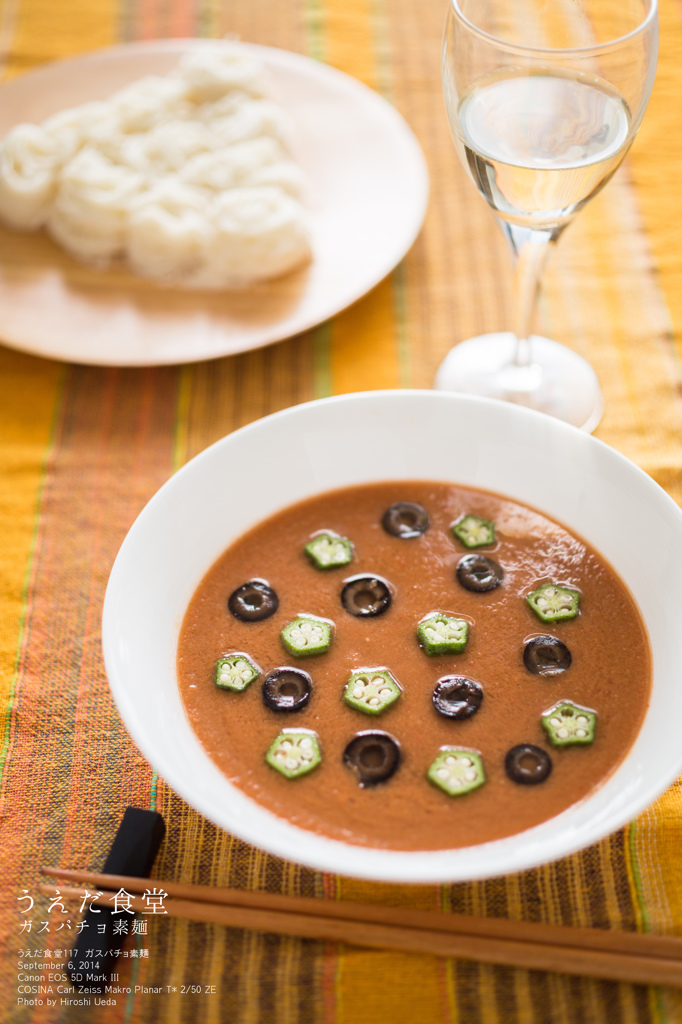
[{"x": 531, "y": 250}]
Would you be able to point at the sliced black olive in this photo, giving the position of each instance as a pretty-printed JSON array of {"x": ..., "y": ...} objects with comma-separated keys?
[
  {"x": 373, "y": 756},
  {"x": 476, "y": 572},
  {"x": 365, "y": 595},
  {"x": 253, "y": 601},
  {"x": 287, "y": 689},
  {"x": 405, "y": 520},
  {"x": 546, "y": 656},
  {"x": 527, "y": 764},
  {"x": 457, "y": 697}
]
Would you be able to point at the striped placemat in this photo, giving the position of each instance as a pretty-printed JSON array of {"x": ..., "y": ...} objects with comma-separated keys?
[{"x": 83, "y": 449}]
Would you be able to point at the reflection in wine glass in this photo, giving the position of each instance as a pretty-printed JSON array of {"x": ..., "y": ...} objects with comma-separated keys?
[{"x": 544, "y": 98}]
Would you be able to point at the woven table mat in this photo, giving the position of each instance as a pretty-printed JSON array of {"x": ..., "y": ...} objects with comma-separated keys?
[{"x": 83, "y": 449}]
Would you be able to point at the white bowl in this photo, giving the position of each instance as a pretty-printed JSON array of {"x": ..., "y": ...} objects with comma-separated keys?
[{"x": 393, "y": 435}]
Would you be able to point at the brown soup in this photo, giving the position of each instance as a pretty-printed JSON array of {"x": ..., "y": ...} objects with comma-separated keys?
[{"x": 610, "y": 670}]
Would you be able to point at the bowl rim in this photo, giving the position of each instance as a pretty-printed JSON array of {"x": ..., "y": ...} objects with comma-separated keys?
[{"x": 318, "y": 852}]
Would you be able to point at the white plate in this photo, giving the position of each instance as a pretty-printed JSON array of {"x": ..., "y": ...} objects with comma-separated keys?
[{"x": 367, "y": 198}]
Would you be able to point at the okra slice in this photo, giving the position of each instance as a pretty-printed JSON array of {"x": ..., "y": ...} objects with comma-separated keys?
[
  {"x": 552, "y": 603},
  {"x": 307, "y": 635},
  {"x": 328, "y": 550},
  {"x": 474, "y": 532},
  {"x": 442, "y": 634},
  {"x": 457, "y": 771},
  {"x": 371, "y": 690},
  {"x": 236, "y": 672},
  {"x": 294, "y": 752},
  {"x": 569, "y": 724}
]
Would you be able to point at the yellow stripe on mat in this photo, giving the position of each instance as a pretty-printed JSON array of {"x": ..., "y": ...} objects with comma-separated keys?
[
  {"x": 656, "y": 164},
  {"x": 363, "y": 355},
  {"x": 28, "y": 395},
  {"x": 656, "y": 840},
  {"x": 602, "y": 299},
  {"x": 363, "y": 339},
  {"x": 373, "y": 986},
  {"x": 48, "y": 30}
]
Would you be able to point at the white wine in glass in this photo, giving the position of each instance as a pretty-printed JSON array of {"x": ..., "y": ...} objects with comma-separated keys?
[{"x": 544, "y": 100}]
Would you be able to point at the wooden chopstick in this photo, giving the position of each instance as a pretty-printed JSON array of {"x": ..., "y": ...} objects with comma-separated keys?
[
  {"x": 518, "y": 931},
  {"x": 641, "y": 959}
]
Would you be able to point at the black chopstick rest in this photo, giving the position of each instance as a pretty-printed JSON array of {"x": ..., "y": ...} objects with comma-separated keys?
[{"x": 132, "y": 852}]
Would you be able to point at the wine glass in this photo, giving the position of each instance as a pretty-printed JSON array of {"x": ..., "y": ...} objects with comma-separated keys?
[{"x": 544, "y": 98}]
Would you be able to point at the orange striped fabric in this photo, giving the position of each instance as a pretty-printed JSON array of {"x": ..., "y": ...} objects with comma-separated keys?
[{"x": 82, "y": 449}]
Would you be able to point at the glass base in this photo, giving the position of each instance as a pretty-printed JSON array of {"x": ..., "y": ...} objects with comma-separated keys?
[{"x": 557, "y": 381}]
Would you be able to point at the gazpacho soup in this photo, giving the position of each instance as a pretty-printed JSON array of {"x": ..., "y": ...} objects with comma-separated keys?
[{"x": 414, "y": 666}]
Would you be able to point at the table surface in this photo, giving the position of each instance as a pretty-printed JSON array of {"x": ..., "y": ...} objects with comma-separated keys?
[{"x": 82, "y": 449}]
